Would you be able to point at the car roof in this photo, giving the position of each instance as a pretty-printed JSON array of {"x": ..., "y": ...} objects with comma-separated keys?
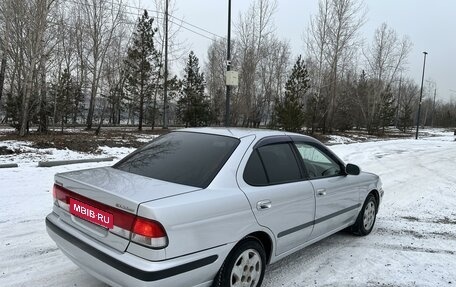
[{"x": 243, "y": 132}]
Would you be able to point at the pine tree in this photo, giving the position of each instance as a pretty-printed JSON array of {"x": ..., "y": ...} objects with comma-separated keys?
[
  {"x": 290, "y": 111},
  {"x": 405, "y": 119},
  {"x": 142, "y": 63},
  {"x": 77, "y": 103},
  {"x": 66, "y": 93},
  {"x": 315, "y": 110},
  {"x": 387, "y": 109},
  {"x": 344, "y": 118},
  {"x": 193, "y": 107},
  {"x": 362, "y": 101}
]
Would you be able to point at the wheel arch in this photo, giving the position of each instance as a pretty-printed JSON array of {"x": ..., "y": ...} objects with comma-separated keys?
[
  {"x": 260, "y": 239},
  {"x": 265, "y": 240},
  {"x": 376, "y": 194}
]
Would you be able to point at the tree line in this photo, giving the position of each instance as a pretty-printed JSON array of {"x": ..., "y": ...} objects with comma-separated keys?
[{"x": 94, "y": 62}]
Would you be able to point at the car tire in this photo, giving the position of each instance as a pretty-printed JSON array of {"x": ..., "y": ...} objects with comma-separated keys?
[
  {"x": 245, "y": 265},
  {"x": 366, "y": 217}
]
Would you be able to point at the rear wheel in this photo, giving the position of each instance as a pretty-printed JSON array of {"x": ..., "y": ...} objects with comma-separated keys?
[
  {"x": 244, "y": 267},
  {"x": 366, "y": 218}
]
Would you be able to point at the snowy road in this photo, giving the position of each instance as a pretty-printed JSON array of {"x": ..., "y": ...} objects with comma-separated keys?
[{"x": 413, "y": 243}]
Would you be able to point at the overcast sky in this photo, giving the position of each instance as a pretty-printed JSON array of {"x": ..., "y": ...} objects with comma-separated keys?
[{"x": 430, "y": 24}]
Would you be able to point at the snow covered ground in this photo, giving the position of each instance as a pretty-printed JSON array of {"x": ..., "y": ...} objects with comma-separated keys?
[{"x": 413, "y": 243}]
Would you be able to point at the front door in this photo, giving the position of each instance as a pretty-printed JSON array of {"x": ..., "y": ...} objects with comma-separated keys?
[{"x": 337, "y": 194}]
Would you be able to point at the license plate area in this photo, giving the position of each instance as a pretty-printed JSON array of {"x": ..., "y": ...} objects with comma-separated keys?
[{"x": 91, "y": 214}]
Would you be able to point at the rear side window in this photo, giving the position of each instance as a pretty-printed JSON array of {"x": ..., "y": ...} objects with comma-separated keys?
[
  {"x": 272, "y": 164},
  {"x": 181, "y": 157},
  {"x": 254, "y": 173}
]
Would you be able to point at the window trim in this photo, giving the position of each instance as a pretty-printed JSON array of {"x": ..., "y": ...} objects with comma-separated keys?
[
  {"x": 292, "y": 141},
  {"x": 272, "y": 140},
  {"x": 275, "y": 140}
]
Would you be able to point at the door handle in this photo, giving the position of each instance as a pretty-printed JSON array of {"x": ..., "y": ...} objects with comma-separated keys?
[
  {"x": 263, "y": 204},
  {"x": 321, "y": 191}
]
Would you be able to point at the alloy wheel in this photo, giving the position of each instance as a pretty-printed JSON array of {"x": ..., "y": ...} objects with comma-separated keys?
[
  {"x": 246, "y": 270},
  {"x": 369, "y": 215}
]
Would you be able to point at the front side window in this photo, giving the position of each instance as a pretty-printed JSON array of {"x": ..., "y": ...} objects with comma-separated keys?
[
  {"x": 317, "y": 163},
  {"x": 181, "y": 157},
  {"x": 272, "y": 164}
]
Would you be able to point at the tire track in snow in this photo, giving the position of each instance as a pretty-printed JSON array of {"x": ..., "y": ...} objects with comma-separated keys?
[{"x": 282, "y": 272}]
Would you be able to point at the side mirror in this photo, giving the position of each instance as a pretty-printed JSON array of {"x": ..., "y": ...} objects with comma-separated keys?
[{"x": 352, "y": 169}]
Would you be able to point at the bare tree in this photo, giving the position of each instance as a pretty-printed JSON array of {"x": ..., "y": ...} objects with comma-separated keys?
[
  {"x": 273, "y": 69},
  {"x": 255, "y": 30},
  {"x": 78, "y": 32},
  {"x": 346, "y": 19},
  {"x": 58, "y": 56},
  {"x": 332, "y": 42},
  {"x": 25, "y": 26},
  {"x": 215, "y": 69},
  {"x": 409, "y": 92},
  {"x": 53, "y": 37},
  {"x": 12, "y": 47},
  {"x": 3, "y": 57},
  {"x": 316, "y": 40},
  {"x": 115, "y": 77},
  {"x": 101, "y": 18},
  {"x": 177, "y": 49},
  {"x": 387, "y": 55},
  {"x": 2, "y": 68},
  {"x": 385, "y": 58}
]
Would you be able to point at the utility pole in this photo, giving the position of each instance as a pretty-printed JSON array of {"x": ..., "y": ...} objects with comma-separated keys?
[
  {"x": 433, "y": 105},
  {"x": 421, "y": 97},
  {"x": 165, "y": 85},
  {"x": 228, "y": 67}
]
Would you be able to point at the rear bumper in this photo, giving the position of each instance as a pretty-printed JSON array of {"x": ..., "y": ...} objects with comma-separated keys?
[{"x": 125, "y": 269}]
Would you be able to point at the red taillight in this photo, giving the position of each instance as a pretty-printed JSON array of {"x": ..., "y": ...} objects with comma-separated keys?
[
  {"x": 61, "y": 193},
  {"x": 149, "y": 233},
  {"x": 140, "y": 230},
  {"x": 61, "y": 198},
  {"x": 148, "y": 228}
]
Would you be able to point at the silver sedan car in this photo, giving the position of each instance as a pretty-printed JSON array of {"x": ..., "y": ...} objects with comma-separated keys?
[{"x": 208, "y": 207}]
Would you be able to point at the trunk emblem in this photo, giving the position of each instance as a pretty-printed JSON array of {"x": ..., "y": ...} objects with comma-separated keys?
[{"x": 124, "y": 207}]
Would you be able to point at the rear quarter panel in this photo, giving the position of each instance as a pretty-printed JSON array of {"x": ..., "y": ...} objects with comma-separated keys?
[{"x": 200, "y": 220}]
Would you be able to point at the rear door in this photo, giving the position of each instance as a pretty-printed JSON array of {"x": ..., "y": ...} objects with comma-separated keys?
[
  {"x": 280, "y": 198},
  {"x": 337, "y": 194}
]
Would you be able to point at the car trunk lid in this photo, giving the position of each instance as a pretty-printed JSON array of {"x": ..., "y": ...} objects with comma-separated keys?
[{"x": 103, "y": 202}]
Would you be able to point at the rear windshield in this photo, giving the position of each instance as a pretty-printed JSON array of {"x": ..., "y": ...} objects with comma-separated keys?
[{"x": 181, "y": 157}]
